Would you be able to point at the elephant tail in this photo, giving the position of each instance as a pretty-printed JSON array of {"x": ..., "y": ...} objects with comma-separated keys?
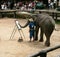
[{"x": 57, "y": 29}]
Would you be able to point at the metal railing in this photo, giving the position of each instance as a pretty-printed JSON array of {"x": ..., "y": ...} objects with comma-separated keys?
[{"x": 43, "y": 53}]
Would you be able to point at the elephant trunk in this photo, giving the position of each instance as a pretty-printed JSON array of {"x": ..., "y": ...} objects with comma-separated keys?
[{"x": 25, "y": 24}]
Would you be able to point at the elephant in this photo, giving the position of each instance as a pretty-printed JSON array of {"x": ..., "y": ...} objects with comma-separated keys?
[{"x": 46, "y": 24}]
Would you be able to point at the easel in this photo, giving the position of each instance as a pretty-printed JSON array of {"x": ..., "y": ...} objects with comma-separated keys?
[{"x": 17, "y": 26}]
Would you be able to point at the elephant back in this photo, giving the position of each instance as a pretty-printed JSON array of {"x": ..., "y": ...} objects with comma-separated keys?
[{"x": 44, "y": 18}]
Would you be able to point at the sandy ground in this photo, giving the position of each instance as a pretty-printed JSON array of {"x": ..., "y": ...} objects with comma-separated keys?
[{"x": 13, "y": 48}]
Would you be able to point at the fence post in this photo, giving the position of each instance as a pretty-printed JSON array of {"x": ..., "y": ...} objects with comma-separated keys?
[{"x": 43, "y": 54}]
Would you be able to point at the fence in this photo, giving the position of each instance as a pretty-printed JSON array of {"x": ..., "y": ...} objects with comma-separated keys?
[
  {"x": 54, "y": 13},
  {"x": 43, "y": 53}
]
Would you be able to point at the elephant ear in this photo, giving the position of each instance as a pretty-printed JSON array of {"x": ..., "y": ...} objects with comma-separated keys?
[{"x": 34, "y": 16}]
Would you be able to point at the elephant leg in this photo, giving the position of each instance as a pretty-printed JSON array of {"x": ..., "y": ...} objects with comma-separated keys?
[
  {"x": 36, "y": 33},
  {"x": 41, "y": 35},
  {"x": 48, "y": 34},
  {"x": 47, "y": 42}
]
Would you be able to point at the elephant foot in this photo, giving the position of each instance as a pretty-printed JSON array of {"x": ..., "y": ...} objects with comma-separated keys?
[
  {"x": 47, "y": 44},
  {"x": 35, "y": 39},
  {"x": 41, "y": 40}
]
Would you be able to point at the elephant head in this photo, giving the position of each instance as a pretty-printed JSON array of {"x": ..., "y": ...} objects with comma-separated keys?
[
  {"x": 32, "y": 18},
  {"x": 27, "y": 23}
]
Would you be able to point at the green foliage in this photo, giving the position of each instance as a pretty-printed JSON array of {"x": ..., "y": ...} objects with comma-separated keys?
[
  {"x": 57, "y": 21},
  {"x": 10, "y": 15},
  {"x": 22, "y": 16},
  {"x": 58, "y": 8}
]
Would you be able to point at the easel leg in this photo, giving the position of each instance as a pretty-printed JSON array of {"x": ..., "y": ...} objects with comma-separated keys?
[
  {"x": 21, "y": 38},
  {"x": 13, "y": 33},
  {"x": 22, "y": 33}
]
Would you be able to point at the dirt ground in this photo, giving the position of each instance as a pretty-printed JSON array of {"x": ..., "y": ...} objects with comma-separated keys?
[{"x": 13, "y": 48}]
